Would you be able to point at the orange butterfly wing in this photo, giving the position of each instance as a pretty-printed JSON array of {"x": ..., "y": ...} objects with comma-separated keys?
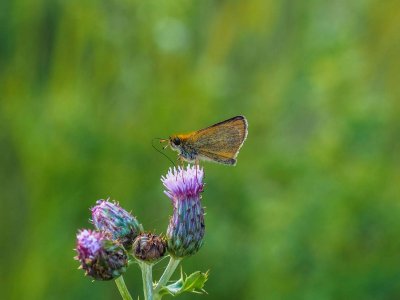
[{"x": 220, "y": 142}]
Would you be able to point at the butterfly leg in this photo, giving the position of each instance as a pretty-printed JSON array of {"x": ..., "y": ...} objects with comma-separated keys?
[
  {"x": 196, "y": 163},
  {"x": 180, "y": 158}
]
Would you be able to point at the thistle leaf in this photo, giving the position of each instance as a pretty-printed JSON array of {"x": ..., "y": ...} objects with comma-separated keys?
[{"x": 194, "y": 283}]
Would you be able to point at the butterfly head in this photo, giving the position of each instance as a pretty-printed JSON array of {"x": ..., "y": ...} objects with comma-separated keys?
[{"x": 175, "y": 142}]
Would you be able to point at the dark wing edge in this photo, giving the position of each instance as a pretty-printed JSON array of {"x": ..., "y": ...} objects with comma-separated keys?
[{"x": 240, "y": 117}]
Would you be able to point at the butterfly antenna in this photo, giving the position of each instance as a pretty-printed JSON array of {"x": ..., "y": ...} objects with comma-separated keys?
[{"x": 158, "y": 150}]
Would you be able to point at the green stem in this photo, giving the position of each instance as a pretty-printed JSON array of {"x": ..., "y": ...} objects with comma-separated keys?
[
  {"x": 122, "y": 288},
  {"x": 169, "y": 270},
  {"x": 147, "y": 277}
]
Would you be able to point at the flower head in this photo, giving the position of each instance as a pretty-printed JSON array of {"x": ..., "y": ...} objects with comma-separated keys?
[
  {"x": 149, "y": 247},
  {"x": 114, "y": 220},
  {"x": 181, "y": 183},
  {"x": 89, "y": 244},
  {"x": 101, "y": 258},
  {"x": 186, "y": 227}
]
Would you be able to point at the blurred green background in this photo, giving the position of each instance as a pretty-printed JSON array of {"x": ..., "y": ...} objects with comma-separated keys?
[{"x": 312, "y": 209}]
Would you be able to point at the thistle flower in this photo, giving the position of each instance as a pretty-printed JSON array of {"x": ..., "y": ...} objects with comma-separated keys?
[
  {"x": 114, "y": 220},
  {"x": 186, "y": 227},
  {"x": 101, "y": 258},
  {"x": 149, "y": 247}
]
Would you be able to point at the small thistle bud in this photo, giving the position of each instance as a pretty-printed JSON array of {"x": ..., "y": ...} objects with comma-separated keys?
[
  {"x": 114, "y": 220},
  {"x": 149, "y": 247},
  {"x": 186, "y": 227},
  {"x": 101, "y": 258}
]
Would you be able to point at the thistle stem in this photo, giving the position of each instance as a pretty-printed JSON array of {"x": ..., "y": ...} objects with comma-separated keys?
[
  {"x": 147, "y": 277},
  {"x": 123, "y": 290},
  {"x": 169, "y": 270}
]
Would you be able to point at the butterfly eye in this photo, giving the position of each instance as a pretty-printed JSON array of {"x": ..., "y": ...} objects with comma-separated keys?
[{"x": 176, "y": 141}]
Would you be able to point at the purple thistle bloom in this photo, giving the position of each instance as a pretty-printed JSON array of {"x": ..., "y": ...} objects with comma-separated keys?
[
  {"x": 186, "y": 227},
  {"x": 114, "y": 220},
  {"x": 101, "y": 258},
  {"x": 89, "y": 244}
]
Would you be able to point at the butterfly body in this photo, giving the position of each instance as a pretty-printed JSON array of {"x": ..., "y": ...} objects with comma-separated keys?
[{"x": 219, "y": 143}]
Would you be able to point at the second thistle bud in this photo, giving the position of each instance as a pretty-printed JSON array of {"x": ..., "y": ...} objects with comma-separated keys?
[
  {"x": 112, "y": 219},
  {"x": 149, "y": 247}
]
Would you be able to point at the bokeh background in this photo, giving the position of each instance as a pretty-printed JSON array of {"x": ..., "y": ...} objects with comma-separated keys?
[{"x": 312, "y": 209}]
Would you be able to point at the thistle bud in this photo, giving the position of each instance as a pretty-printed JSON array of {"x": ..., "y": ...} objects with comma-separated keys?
[
  {"x": 112, "y": 219},
  {"x": 186, "y": 227},
  {"x": 149, "y": 247},
  {"x": 101, "y": 258}
]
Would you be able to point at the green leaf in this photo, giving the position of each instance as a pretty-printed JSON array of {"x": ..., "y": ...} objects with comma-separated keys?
[{"x": 193, "y": 283}]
